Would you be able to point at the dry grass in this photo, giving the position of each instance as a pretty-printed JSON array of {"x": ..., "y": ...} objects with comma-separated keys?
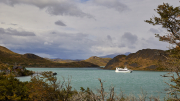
[
  {"x": 98, "y": 61},
  {"x": 142, "y": 63}
]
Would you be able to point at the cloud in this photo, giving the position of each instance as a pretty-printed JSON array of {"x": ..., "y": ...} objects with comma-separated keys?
[
  {"x": 83, "y": 1},
  {"x": 2, "y": 23},
  {"x": 122, "y": 45},
  {"x": 13, "y": 24},
  {"x": 129, "y": 38},
  {"x": 82, "y": 37},
  {"x": 59, "y": 45},
  {"x": 53, "y": 7},
  {"x": 14, "y": 32},
  {"x": 109, "y": 38},
  {"x": 153, "y": 30},
  {"x": 153, "y": 43},
  {"x": 59, "y": 23},
  {"x": 114, "y": 4}
]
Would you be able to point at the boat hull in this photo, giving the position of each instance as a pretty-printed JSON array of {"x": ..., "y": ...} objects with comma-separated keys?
[{"x": 123, "y": 71}]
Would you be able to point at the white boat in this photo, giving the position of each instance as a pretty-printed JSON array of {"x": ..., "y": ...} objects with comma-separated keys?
[{"x": 123, "y": 70}]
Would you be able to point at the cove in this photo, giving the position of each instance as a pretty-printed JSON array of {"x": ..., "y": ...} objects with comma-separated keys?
[{"x": 130, "y": 83}]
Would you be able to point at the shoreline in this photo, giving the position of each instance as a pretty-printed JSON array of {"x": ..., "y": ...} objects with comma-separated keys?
[{"x": 100, "y": 68}]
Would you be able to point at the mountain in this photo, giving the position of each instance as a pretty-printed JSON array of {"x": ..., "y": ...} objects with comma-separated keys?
[
  {"x": 146, "y": 59},
  {"x": 114, "y": 55},
  {"x": 98, "y": 60},
  {"x": 94, "y": 60},
  {"x": 32, "y": 60}
]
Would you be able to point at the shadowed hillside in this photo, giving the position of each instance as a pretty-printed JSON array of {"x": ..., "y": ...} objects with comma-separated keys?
[
  {"x": 32, "y": 60},
  {"x": 146, "y": 59},
  {"x": 63, "y": 60},
  {"x": 94, "y": 60}
]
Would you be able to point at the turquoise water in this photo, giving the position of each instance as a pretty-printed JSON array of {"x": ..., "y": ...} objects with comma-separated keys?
[{"x": 129, "y": 83}]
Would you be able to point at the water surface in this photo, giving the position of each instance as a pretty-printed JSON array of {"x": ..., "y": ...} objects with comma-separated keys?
[{"x": 130, "y": 83}]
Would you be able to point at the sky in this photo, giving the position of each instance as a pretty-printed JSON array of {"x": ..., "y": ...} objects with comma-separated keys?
[{"x": 79, "y": 29}]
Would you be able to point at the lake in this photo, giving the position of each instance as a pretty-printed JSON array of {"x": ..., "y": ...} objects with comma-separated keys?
[{"x": 130, "y": 83}]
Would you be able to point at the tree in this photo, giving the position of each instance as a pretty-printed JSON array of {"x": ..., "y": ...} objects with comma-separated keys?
[
  {"x": 3, "y": 67},
  {"x": 11, "y": 89},
  {"x": 169, "y": 18}
]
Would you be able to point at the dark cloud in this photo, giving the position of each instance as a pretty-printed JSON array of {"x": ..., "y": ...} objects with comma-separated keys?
[
  {"x": 115, "y": 4},
  {"x": 59, "y": 23},
  {"x": 53, "y": 7},
  {"x": 154, "y": 30},
  {"x": 52, "y": 51},
  {"x": 53, "y": 33},
  {"x": 129, "y": 38},
  {"x": 14, "y": 32},
  {"x": 109, "y": 38},
  {"x": 59, "y": 45}
]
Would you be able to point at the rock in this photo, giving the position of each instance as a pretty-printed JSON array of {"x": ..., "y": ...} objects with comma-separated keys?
[
  {"x": 152, "y": 54},
  {"x": 152, "y": 67},
  {"x": 134, "y": 65},
  {"x": 114, "y": 62}
]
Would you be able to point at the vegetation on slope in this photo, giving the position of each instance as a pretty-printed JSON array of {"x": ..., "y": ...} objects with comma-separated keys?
[
  {"x": 31, "y": 60},
  {"x": 62, "y": 60},
  {"x": 94, "y": 60},
  {"x": 146, "y": 59},
  {"x": 98, "y": 61}
]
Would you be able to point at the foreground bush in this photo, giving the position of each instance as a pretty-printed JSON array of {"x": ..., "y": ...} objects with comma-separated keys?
[{"x": 12, "y": 89}]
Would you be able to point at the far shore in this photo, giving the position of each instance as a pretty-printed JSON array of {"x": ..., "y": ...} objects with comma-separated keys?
[
  {"x": 101, "y": 68},
  {"x": 63, "y": 67}
]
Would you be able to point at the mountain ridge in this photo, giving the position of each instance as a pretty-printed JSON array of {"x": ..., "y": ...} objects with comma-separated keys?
[
  {"x": 31, "y": 60},
  {"x": 114, "y": 55}
]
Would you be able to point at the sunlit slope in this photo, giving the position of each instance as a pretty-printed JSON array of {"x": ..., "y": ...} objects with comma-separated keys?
[
  {"x": 98, "y": 61},
  {"x": 146, "y": 59}
]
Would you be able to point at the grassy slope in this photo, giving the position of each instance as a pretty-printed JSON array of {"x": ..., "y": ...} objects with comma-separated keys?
[
  {"x": 142, "y": 63},
  {"x": 98, "y": 61},
  {"x": 61, "y": 60},
  {"x": 138, "y": 61}
]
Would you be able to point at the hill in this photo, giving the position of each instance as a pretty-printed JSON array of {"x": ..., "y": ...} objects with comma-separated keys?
[
  {"x": 32, "y": 60},
  {"x": 63, "y": 60},
  {"x": 146, "y": 59},
  {"x": 98, "y": 61}
]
